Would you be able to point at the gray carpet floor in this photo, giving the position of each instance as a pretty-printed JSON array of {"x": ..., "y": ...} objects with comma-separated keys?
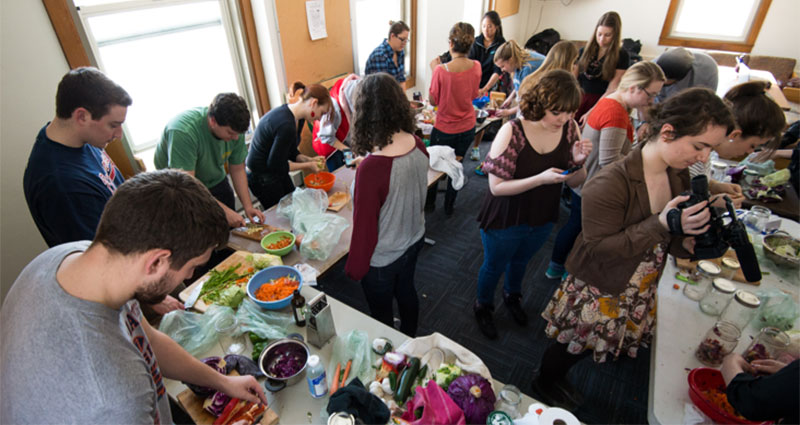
[{"x": 446, "y": 280}]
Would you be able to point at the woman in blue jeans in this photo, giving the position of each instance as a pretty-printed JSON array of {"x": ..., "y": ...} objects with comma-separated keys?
[{"x": 526, "y": 166}]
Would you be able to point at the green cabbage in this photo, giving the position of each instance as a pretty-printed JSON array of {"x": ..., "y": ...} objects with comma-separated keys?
[
  {"x": 231, "y": 296},
  {"x": 262, "y": 261},
  {"x": 446, "y": 374}
]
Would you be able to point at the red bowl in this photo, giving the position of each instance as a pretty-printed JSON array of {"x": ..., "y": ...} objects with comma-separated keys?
[
  {"x": 704, "y": 378},
  {"x": 322, "y": 180}
]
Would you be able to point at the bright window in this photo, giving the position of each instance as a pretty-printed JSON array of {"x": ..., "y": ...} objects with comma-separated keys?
[
  {"x": 714, "y": 24},
  {"x": 170, "y": 56},
  {"x": 371, "y": 25}
]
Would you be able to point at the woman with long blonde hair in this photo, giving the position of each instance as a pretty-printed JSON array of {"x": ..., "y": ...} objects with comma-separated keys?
[{"x": 563, "y": 55}]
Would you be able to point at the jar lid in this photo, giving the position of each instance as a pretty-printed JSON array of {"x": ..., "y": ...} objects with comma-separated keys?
[
  {"x": 747, "y": 299},
  {"x": 723, "y": 285},
  {"x": 750, "y": 172},
  {"x": 718, "y": 164},
  {"x": 730, "y": 263},
  {"x": 708, "y": 267}
]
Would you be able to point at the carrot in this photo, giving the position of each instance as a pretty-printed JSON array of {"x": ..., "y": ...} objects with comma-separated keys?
[
  {"x": 335, "y": 384},
  {"x": 346, "y": 371},
  {"x": 277, "y": 289}
]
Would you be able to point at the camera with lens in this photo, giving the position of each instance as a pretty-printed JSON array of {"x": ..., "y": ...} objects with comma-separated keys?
[{"x": 724, "y": 231}]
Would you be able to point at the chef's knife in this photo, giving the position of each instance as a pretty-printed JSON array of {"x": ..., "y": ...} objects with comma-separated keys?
[{"x": 194, "y": 295}]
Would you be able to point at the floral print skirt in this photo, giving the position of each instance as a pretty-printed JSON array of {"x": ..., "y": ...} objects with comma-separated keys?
[{"x": 584, "y": 317}]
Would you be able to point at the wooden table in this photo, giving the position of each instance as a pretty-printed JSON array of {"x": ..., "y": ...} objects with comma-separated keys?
[
  {"x": 680, "y": 328},
  {"x": 344, "y": 178},
  {"x": 789, "y": 207},
  {"x": 294, "y": 404}
]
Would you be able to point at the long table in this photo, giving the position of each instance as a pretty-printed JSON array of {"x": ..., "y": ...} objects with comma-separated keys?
[
  {"x": 680, "y": 328},
  {"x": 294, "y": 404}
]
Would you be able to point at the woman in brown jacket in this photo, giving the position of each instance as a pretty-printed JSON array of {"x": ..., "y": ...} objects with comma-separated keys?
[{"x": 606, "y": 304}]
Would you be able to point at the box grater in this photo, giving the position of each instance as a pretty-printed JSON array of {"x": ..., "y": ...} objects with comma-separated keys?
[{"x": 320, "y": 321}]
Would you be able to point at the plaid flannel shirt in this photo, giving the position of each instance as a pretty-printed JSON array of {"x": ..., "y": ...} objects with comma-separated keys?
[{"x": 382, "y": 60}]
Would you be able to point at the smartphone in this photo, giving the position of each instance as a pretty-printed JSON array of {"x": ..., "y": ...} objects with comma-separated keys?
[{"x": 571, "y": 170}]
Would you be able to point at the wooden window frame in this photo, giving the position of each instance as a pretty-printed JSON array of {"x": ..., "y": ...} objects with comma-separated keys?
[{"x": 668, "y": 39}]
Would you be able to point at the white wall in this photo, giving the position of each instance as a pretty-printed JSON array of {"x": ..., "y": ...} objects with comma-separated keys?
[
  {"x": 31, "y": 65},
  {"x": 642, "y": 20}
]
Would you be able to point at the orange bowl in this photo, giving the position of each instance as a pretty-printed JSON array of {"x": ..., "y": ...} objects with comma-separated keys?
[
  {"x": 702, "y": 379},
  {"x": 322, "y": 180}
]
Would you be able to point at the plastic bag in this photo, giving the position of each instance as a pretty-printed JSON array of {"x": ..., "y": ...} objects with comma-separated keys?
[
  {"x": 353, "y": 346},
  {"x": 193, "y": 331},
  {"x": 437, "y": 407},
  {"x": 778, "y": 310},
  {"x": 264, "y": 323},
  {"x": 305, "y": 210}
]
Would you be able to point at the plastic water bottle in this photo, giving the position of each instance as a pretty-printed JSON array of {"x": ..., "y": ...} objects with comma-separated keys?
[{"x": 315, "y": 376}]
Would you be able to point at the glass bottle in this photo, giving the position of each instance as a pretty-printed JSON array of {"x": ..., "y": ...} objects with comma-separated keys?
[
  {"x": 741, "y": 310},
  {"x": 718, "y": 297},
  {"x": 298, "y": 308},
  {"x": 719, "y": 341},
  {"x": 770, "y": 343},
  {"x": 706, "y": 272}
]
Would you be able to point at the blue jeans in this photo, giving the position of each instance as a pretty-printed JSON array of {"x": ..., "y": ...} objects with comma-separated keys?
[
  {"x": 460, "y": 142},
  {"x": 508, "y": 250},
  {"x": 567, "y": 235},
  {"x": 382, "y": 285}
]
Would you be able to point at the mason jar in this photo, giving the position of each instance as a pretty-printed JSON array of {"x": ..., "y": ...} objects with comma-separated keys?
[
  {"x": 770, "y": 343},
  {"x": 718, "y": 297},
  {"x": 741, "y": 310},
  {"x": 730, "y": 267},
  {"x": 700, "y": 280},
  {"x": 718, "y": 342}
]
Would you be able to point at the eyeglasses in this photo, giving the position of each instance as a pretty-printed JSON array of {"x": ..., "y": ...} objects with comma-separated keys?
[
  {"x": 650, "y": 95},
  {"x": 402, "y": 40}
]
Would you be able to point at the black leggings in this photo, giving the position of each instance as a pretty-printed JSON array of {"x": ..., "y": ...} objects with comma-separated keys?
[{"x": 556, "y": 362}]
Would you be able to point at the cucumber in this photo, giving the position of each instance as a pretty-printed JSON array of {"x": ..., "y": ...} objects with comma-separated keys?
[
  {"x": 407, "y": 379},
  {"x": 393, "y": 380},
  {"x": 422, "y": 373}
]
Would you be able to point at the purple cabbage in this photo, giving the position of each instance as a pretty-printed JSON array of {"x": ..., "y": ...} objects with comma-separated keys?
[
  {"x": 216, "y": 404},
  {"x": 241, "y": 364},
  {"x": 474, "y": 395},
  {"x": 286, "y": 360},
  {"x": 216, "y": 363}
]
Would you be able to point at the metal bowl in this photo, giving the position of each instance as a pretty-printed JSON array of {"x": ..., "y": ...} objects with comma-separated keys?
[
  {"x": 279, "y": 350},
  {"x": 416, "y": 106},
  {"x": 774, "y": 241}
]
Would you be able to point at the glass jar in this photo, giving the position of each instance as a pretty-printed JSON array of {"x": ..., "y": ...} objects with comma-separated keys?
[
  {"x": 718, "y": 297},
  {"x": 770, "y": 343},
  {"x": 757, "y": 218},
  {"x": 741, "y": 310},
  {"x": 509, "y": 400},
  {"x": 719, "y": 170},
  {"x": 749, "y": 177},
  {"x": 730, "y": 267},
  {"x": 719, "y": 341},
  {"x": 701, "y": 279}
]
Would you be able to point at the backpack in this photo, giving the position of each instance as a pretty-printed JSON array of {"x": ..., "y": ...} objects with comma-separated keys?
[
  {"x": 633, "y": 47},
  {"x": 543, "y": 41}
]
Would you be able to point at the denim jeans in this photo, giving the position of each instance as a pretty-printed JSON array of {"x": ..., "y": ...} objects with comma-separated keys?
[
  {"x": 382, "y": 285},
  {"x": 567, "y": 235},
  {"x": 460, "y": 142},
  {"x": 508, "y": 250}
]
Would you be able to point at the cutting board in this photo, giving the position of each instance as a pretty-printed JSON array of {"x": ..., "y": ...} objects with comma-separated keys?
[
  {"x": 238, "y": 257},
  {"x": 194, "y": 407},
  {"x": 255, "y": 233},
  {"x": 684, "y": 263},
  {"x": 345, "y": 199}
]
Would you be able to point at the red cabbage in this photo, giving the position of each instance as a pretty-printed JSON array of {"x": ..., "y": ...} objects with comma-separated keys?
[
  {"x": 216, "y": 363},
  {"x": 241, "y": 364},
  {"x": 285, "y": 360},
  {"x": 474, "y": 395},
  {"x": 216, "y": 404}
]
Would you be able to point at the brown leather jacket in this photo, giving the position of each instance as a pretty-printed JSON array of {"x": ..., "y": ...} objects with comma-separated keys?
[{"x": 618, "y": 227}]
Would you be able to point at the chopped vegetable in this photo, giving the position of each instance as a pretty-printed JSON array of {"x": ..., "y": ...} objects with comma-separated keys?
[
  {"x": 283, "y": 242},
  {"x": 277, "y": 289},
  {"x": 216, "y": 363},
  {"x": 720, "y": 400},
  {"x": 474, "y": 395},
  {"x": 259, "y": 344},
  {"x": 676, "y": 286},
  {"x": 287, "y": 361},
  {"x": 217, "y": 404},
  {"x": 218, "y": 281},
  {"x": 231, "y": 296},
  {"x": 262, "y": 261},
  {"x": 446, "y": 374}
]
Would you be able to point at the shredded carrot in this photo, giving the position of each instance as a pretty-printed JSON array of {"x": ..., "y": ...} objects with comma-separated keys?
[
  {"x": 720, "y": 400},
  {"x": 283, "y": 242},
  {"x": 277, "y": 289}
]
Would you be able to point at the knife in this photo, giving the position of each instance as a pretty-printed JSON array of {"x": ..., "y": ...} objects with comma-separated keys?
[{"x": 194, "y": 295}]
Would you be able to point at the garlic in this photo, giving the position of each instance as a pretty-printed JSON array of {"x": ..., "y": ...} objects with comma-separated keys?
[
  {"x": 386, "y": 386},
  {"x": 376, "y": 389}
]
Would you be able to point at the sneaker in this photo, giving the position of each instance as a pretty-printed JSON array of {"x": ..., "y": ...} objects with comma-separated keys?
[
  {"x": 485, "y": 320},
  {"x": 479, "y": 170},
  {"x": 514, "y": 304},
  {"x": 553, "y": 272},
  {"x": 476, "y": 154},
  {"x": 551, "y": 395}
]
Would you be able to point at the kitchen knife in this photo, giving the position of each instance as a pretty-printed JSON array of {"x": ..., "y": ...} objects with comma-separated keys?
[{"x": 194, "y": 295}]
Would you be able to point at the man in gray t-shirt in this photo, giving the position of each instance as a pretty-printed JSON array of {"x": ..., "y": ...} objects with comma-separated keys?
[
  {"x": 684, "y": 69},
  {"x": 75, "y": 346}
]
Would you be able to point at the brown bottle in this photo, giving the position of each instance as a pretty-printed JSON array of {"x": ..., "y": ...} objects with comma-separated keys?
[{"x": 298, "y": 308}]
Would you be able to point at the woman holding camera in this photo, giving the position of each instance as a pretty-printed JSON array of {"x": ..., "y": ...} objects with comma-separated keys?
[{"x": 607, "y": 307}]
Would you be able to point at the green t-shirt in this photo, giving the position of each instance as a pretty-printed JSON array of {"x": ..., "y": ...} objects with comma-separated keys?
[{"x": 188, "y": 144}]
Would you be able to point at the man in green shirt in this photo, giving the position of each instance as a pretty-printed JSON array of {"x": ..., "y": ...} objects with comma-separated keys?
[{"x": 204, "y": 141}]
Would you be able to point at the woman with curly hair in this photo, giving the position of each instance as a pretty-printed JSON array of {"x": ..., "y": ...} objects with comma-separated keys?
[
  {"x": 606, "y": 305},
  {"x": 390, "y": 185},
  {"x": 526, "y": 167}
]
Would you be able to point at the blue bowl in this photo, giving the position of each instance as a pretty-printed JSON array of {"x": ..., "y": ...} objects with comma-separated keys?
[
  {"x": 265, "y": 276},
  {"x": 481, "y": 102}
]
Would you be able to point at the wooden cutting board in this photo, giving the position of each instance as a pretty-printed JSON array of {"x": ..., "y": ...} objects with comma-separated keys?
[
  {"x": 255, "y": 233},
  {"x": 194, "y": 407},
  {"x": 684, "y": 263},
  {"x": 341, "y": 203},
  {"x": 238, "y": 257}
]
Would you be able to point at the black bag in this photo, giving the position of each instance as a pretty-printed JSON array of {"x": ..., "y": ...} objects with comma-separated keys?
[
  {"x": 633, "y": 47},
  {"x": 543, "y": 41}
]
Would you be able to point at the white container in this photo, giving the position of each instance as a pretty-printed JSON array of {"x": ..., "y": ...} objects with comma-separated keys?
[{"x": 315, "y": 376}]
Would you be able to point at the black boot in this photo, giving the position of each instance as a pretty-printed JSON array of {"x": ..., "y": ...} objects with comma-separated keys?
[
  {"x": 514, "y": 304},
  {"x": 485, "y": 320}
]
